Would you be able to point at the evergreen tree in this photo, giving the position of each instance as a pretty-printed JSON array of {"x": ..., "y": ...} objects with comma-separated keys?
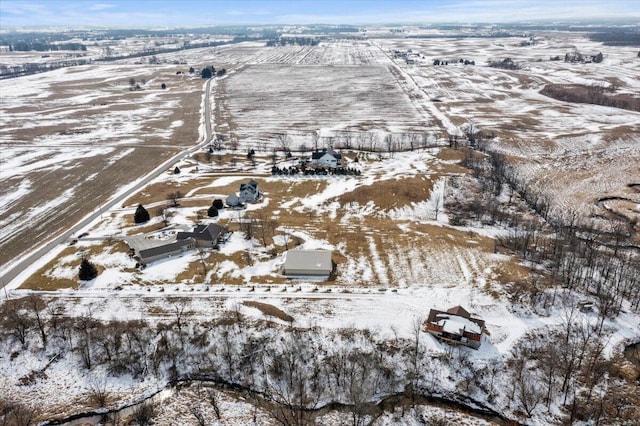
[
  {"x": 218, "y": 204},
  {"x": 213, "y": 211},
  {"x": 88, "y": 270},
  {"x": 141, "y": 215}
]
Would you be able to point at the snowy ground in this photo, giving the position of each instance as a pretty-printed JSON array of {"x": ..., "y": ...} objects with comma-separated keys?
[
  {"x": 395, "y": 259},
  {"x": 393, "y": 264},
  {"x": 574, "y": 153}
]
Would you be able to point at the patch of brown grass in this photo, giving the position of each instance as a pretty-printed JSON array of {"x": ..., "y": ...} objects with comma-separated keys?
[
  {"x": 450, "y": 154},
  {"x": 158, "y": 191},
  {"x": 195, "y": 270},
  {"x": 41, "y": 281},
  {"x": 269, "y": 310},
  {"x": 390, "y": 194},
  {"x": 141, "y": 229}
]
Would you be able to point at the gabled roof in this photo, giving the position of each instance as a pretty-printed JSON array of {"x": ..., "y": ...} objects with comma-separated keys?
[
  {"x": 210, "y": 232},
  {"x": 457, "y": 325},
  {"x": 233, "y": 200},
  {"x": 319, "y": 154},
  {"x": 252, "y": 184},
  {"x": 459, "y": 311}
]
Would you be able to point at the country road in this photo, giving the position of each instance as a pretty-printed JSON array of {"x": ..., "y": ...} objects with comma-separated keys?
[{"x": 13, "y": 270}]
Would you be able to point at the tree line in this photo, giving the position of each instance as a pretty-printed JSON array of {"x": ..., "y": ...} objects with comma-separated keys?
[{"x": 574, "y": 252}]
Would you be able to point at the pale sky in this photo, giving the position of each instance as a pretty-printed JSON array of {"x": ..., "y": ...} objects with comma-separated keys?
[{"x": 143, "y": 13}]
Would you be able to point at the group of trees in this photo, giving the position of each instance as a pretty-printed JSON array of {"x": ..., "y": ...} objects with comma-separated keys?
[
  {"x": 315, "y": 171},
  {"x": 596, "y": 94},
  {"x": 369, "y": 141},
  {"x": 574, "y": 252},
  {"x": 461, "y": 61},
  {"x": 28, "y": 68},
  {"x": 505, "y": 64},
  {"x": 294, "y": 41},
  {"x": 568, "y": 367},
  {"x": 576, "y": 56},
  {"x": 216, "y": 206},
  {"x": 41, "y": 46},
  {"x": 210, "y": 71}
]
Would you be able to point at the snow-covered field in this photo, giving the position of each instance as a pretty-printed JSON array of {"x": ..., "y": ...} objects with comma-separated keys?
[
  {"x": 397, "y": 255},
  {"x": 263, "y": 100},
  {"x": 71, "y": 137},
  {"x": 575, "y": 153}
]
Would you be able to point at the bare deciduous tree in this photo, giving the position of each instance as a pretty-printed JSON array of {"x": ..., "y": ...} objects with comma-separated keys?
[
  {"x": 174, "y": 197},
  {"x": 38, "y": 311}
]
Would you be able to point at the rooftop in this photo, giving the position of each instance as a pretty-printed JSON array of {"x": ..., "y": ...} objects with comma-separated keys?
[{"x": 312, "y": 260}]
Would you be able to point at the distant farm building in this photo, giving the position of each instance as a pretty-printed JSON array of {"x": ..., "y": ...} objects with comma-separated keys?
[
  {"x": 326, "y": 158},
  {"x": 307, "y": 264},
  {"x": 455, "y": 326}
]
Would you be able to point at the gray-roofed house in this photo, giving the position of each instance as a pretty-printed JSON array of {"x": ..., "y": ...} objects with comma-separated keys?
[
  {"x": 210, "y": 235},
  {"x": 249, "y": 192},
  {"x": 455, "y": 326},
  {"x": 167, "y": 250},
  {"x": 307, "y": 263},
  {"x": 234, "y": 201},
  {"x": 326, "y": 157}
]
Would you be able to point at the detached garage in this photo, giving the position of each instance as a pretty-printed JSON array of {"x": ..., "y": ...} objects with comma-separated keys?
[{"x": 307, "y": 264}]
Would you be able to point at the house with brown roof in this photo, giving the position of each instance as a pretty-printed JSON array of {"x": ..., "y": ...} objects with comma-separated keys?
[{"x": 455, "y": 326}]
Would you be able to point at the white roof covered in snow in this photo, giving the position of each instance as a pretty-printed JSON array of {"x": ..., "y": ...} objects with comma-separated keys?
[{"x": 455, "y": 324}]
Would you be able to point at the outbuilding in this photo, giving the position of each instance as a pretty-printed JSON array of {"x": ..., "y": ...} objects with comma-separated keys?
[{"x": 307, "y": 264}]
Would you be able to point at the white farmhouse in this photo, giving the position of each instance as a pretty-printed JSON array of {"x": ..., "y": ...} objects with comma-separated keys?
[{"x": 326, "y": 158}]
